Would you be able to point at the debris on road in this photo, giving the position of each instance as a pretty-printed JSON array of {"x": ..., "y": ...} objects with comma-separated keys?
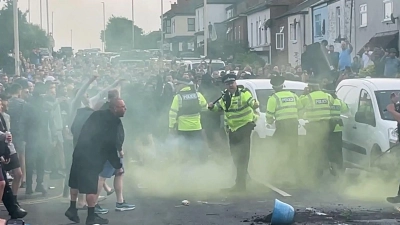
[
  {"x": 316, "y": 212},
  {"x": 213, "y": 203},
  {"x": 185, "y": 203}
]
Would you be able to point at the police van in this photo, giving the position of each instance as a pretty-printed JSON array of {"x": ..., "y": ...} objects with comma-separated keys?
[{"x": 261, "y": 89}]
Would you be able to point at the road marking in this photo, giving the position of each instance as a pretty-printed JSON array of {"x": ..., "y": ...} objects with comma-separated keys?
[{"x": 277, "y": 190}]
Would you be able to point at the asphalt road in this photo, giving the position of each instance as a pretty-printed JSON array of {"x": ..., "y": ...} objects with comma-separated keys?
[{"x": 222, "y": 208}]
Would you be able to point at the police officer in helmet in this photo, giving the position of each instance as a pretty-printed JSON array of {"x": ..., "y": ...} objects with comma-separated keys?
[{"x": 283, "y": 108}]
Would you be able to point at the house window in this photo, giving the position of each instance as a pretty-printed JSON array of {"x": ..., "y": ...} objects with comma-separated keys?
[
  {"x": 229, "y": 13},
  {"x": 387, "y": 9},
  {"x": 251, "y": 35},
  {"x": 173, "y": 26},
  {"x": 363, "y": 15},
  {"x": 338, "y": 21},
  {"x": 240, "y": 33},
  {"x": 318, "y": 25},
  {"x": 191, "y": 24},
  {"x": 198, "y": 20},
  {"x": 256, "y": 32},
  {"x": 236, "y": 33},
  {"x": 280, "y": 41},
  {"x": 293, "y": 32},
  {"x": 168, "y": 23}
]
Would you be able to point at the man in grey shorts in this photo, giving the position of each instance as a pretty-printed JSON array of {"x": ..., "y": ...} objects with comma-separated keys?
[{"x": 108, "y": 169}]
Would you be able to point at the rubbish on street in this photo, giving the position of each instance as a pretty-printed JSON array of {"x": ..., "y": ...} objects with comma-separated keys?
[
  {"x": 316, "y": 212},
  {"x": 52, "y": 187},
  {"x": 212, "y": 203},
  {"x": 283, "y": 213},
  {"x": 185, "y": 202}
]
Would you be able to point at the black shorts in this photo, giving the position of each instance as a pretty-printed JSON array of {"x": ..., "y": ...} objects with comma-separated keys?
[
  {"x": 84, "y": 178},
  {"x": 13, "y": 164}
]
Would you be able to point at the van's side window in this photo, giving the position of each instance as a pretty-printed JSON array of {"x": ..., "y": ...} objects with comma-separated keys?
[
  {"x": 351, "y": 99},
  {"x": 365, "y": 105}
]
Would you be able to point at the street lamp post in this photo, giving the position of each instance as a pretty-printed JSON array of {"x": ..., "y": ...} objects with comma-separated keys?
[
  {"x": 47, "y": 17},
  {"x": 205, "y": 25},
  {"x": 104, "y": 26},
  {"x": 52, "y": 23},
  {"x": 162, "y": 29},
  {"x": 16, "y": 37},
  {"x": 29, "y": 10},
  {"x": 41, "y": 14},
  {"x": 133, "y": 25}
]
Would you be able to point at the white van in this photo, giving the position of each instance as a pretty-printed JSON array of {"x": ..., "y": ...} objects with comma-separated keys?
[
  {"x": 368, "y": 128},
  {"x": 261, "y": 89}
]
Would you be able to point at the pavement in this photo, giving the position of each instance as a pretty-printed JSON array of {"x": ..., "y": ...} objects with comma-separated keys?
[{"x": 326, "y": 204}]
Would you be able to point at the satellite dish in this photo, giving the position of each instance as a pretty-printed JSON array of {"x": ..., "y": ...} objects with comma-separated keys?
[
  {"x": 393, "y": 19},
  {"x": 268, "y": 24}
]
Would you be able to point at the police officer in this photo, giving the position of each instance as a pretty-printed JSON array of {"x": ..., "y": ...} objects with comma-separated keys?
[
  {"x": 184, "y": 118},
  {"x": 283, "y": 107},
  {"x": 335, "y": 154},
  {"x": 317, "y": 106},
  {"x": 238, "y": 105}
]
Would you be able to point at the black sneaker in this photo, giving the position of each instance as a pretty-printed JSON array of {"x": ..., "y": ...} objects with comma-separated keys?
[
  {"x": 393, "y": 200},
  {"x": 96, "y": 220},
  {"x": 19, "y": 213},
  {"x": 72, "y": 215}
]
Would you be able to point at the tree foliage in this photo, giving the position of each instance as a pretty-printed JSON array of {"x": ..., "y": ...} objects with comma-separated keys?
[
  {"x": 30, "y": 36},
  {"x": 119, "y": 36}
]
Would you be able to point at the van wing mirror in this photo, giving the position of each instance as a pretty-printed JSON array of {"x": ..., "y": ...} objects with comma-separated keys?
[{"x": 360, "y": 117}]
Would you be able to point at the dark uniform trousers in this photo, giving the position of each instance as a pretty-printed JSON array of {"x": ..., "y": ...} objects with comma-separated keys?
[
  {"x": 317, "y": 143},
  {"x": 286, "y": 137},
  {"x": 35, "y": 160},
  {"x": 335, "y": 153},
  {"x": 239, "y": 143}
]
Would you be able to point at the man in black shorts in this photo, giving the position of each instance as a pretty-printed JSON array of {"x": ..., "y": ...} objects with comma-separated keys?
[{"x": 96, "y": 144}]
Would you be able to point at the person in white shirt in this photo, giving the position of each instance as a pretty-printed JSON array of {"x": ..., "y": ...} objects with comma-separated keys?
[{"x": 366, "y": 57}]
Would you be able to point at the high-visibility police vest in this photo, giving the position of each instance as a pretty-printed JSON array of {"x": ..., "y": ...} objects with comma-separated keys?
[
  {"x": 336, "y": 110},
  {"x": 318, "y": 106},
  {"x": 240, "y": 111},
  {"x": 188, "y": 102},
  {"x": 283, "y": 106}
]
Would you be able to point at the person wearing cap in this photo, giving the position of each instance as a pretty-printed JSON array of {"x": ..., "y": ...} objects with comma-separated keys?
[
  {"x": 185, "y": 119},
  {"x": 335, "y": 154},
  {"x": 317, "y": 106},
  {"x": 238, "y": 105},
  {"x": 391, "y": 62},
  {"x": 283, "y": 108}
]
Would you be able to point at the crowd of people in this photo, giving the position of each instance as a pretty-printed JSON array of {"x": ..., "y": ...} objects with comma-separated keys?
[{"x": 45, "y": 108}]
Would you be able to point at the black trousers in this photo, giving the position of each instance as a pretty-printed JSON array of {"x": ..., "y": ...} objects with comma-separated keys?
[
  {"x": 335, "y": 153},
  {"x": 286, "y": 138},
  {"x": 317, "y": 142},
  {"x": 68, "y": 151},
  {"x": 35, "y": 160},
  {"x": 8, "y": 197},
  {"x": 239, "y": 143}
]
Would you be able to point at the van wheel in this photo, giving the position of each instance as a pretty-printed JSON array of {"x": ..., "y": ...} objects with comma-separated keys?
[{"x": 375, "y": 154}]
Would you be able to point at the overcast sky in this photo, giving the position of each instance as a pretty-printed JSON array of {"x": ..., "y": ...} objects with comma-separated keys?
[{"x": 85, "y": 18}]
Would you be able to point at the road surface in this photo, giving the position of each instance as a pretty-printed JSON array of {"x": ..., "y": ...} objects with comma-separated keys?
[{"x": 319, "y": 205}]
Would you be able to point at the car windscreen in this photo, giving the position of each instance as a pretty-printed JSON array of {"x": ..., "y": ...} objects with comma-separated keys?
[
  {"x": 383, "y": 99},
  {"x": 263, "y": 95}
]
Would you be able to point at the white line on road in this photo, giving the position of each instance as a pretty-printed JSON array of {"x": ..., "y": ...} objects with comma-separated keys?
[{"x": 277, "y": 190}]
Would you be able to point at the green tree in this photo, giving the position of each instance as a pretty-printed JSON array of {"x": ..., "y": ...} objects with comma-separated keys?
[
  {"x": 150, "y": 40},
  {"x": 119, "y": 34},
  {"x": 30, "y": 36}
]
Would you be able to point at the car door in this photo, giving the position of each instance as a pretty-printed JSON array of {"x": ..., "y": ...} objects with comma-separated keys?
[
  {"x": 351, "y": 98},
  {"x": 364, "y": 126}
]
